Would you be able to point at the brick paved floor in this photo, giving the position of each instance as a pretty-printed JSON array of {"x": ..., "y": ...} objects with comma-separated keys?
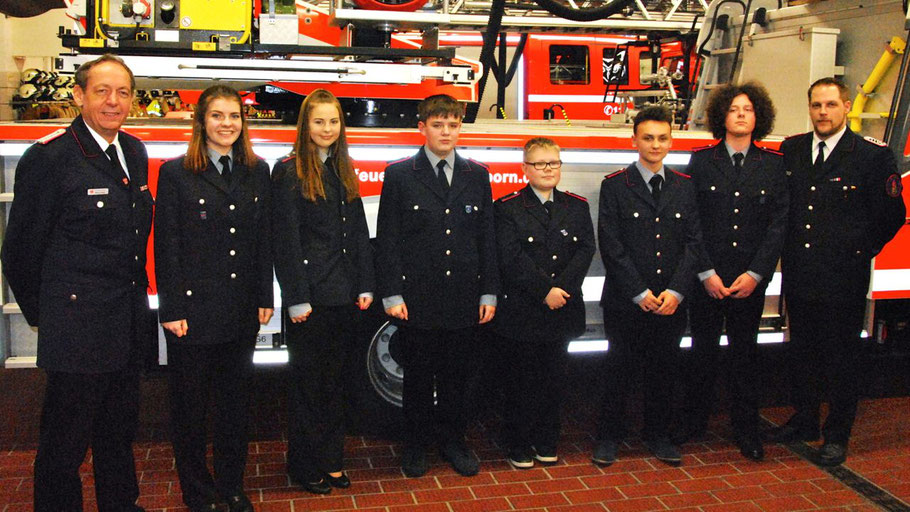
[{"x": 713, "y": 476}]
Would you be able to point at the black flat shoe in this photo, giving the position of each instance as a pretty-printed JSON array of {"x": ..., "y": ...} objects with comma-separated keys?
[
  {"x": 239, "y": 503},
  {"x": 338, "y": 482},
  {"x": 319, "y": 487},
  {"x": 751, "y": 448}
]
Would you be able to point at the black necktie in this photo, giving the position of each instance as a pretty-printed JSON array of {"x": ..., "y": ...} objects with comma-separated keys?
[
  {"x": 441, "y": 176},
  {"x": 225, "y": 168},
  {"x": 111, "y": 152},
  {"x": 548, "y": 205},
  {"x": 820, "y": 158},
  {"x": 738, "y": 162},
  {"x": 656, "y": 181}
]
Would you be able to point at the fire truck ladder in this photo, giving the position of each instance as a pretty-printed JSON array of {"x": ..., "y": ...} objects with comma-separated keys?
[
  {"x": 523, "y": 15},
  {"x": 720, "y": 44}
]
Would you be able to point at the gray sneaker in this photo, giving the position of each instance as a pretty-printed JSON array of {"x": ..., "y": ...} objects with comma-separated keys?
[
  {"x": 605, "y": 453},
  {"x": 664, "y": 451}
]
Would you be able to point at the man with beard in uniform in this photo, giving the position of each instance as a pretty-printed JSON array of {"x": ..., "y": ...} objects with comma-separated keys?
[
  {"x": 74, "y": 256},
  {"x": 845, "y": 205},
  {"x": 742, "y": 204}
]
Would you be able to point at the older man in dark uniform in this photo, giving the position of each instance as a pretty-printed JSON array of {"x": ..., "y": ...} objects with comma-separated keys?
[
  {"x": 845, "y": 205},
  {"x": 742, "y": 204},
  {"x": 650, "y": 240},
  {"x": 438, "y": 277},
  {"x": 546, "y": 241},
  {"x": 74, "y": 256}
]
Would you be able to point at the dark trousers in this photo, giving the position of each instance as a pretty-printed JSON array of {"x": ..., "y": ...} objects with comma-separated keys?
[
  {"x": 82, "y": 410},
  {"x": 435, "y": 360},
  {"x": 534, "y": 391},
  {"x": 708, "y": 318},
  {"x": 642, "y": 344},
  {"x": 196, "y": 372},
  {"x": 825, "y": 347},
  {"x": 317, "y": 349}
]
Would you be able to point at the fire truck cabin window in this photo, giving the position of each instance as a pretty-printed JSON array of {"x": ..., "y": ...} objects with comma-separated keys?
[
  {"x": 569, "y": 64},
  {"x": 616, "y": 66}
]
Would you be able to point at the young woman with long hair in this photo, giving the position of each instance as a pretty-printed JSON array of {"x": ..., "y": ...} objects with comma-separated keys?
[
  {"x": 324, "y": 265},
  {"x": 213, "y": 263}
]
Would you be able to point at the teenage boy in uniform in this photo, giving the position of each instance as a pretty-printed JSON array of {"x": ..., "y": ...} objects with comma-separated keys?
[
  {"x": 742, "y": 201},
  {"x": 649, "y": 241},
  {"x": 545, "y": 241},
  {"x": 438, "y": 278}
]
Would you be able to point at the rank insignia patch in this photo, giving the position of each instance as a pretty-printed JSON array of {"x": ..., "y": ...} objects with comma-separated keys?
[{"x": 893, "y": 186}]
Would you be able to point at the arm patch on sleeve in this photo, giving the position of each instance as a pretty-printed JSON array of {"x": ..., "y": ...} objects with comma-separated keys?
[{"x": 894, "y": 186}]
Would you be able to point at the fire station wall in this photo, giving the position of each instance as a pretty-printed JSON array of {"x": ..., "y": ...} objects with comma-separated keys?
[
  {"x": 866, "y": 27},
  {"x": 27, "y": 43}
]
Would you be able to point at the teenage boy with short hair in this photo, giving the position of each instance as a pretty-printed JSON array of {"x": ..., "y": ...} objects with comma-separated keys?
[
  {"x": 649, "y": 241},
  {"x": 438, "y": 278},
  {"x": 545, "y": 240}
]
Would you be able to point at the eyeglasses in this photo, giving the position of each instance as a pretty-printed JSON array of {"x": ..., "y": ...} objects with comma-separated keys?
[{"x": 543, "y": 165}]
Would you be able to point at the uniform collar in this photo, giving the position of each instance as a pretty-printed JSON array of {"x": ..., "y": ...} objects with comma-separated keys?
[
  {"x": 647, "y": 174},
  {"x": 434, "y": 160},
  {"x": 215, "y": 157},
  {"x": 830, "y": 142},
  {"x": 540, "y": 195},
  {"x": 102, "y": 142},
  {"x": 731, "y": 151}
]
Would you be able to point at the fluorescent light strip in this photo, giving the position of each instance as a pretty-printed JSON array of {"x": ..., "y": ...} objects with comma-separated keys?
[
  {"x": 585, "y": 346},
  {"x": 570, "y": 98},
  {"x": 891, "y": 280},
  {"x": 270, "y": 356},
  {"x": 588, "y": 346},
  {"x": 520, "y": 104},
  {"x": 272, "y": 152},
  {"x": 13, "y": 148}
]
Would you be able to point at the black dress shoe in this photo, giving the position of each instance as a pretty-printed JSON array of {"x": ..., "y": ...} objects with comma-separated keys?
[
  {"x": 414, "y": 461},
  {"x": 789, "y": 433},
  {"x": 751, "y": 448},
  {"x": 460, "y": 458},
  {"x": 312, "y": 484},
  {"x": 664, "y": 450},
  {"x": 832, "y": 454},
  {"x": 339, "y": 482},
  {"x": 239, "y": 503}
]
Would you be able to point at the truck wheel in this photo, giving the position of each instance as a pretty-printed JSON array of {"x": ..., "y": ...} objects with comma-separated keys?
[{"x": 377, "y": 375}]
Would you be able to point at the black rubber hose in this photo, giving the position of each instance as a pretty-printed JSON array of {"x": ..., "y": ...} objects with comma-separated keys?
[
  {"x": 497, "y": 9},
  {"x": 597, "y": 13}
]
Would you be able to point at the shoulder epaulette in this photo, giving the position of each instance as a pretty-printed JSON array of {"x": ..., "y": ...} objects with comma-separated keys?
[
  {"x": 875, "y": 141},
  {"x": 702, "y": 148},
  {"x": 614, "y": 174},
  {"x": 508, "y": 197},
  {"x": 393, "y": 162},
  {"x": 576, "y": 196},
  {"x": 769, "y": 150},
  {"x": 681, "y": 174},
  {"x": 795, "y": 135},
  {"x": 485, "y": 166},
  {"x": 51, "y": 136},
  {"x": 287, "y": 159}
]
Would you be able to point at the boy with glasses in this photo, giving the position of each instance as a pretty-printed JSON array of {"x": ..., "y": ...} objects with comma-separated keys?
[{"x": 545, "y": 241}]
